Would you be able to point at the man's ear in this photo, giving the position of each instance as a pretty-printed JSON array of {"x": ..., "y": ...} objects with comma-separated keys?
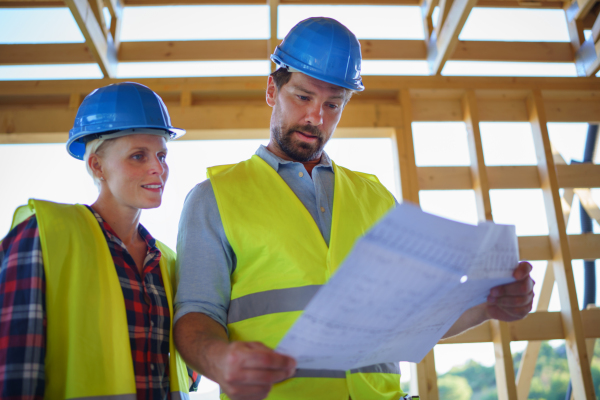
[{"x": 271, "y": 92}]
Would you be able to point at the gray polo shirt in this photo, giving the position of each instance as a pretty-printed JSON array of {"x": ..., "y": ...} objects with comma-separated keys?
[{"x": 206, "y": 259}]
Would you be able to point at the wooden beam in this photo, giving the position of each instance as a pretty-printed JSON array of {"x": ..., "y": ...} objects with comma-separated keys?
[
  {"x": 272, "y": 42},
  {"x": 513, "y": 51},
  {"x": 443, "y": 11},
  {"x": 50, "y": 53},
  {"x": 529, "y": 328},
  {"x": 551, "y": 4},
  {"x": 589, "y": 204},
  {"x": 479, "y": 176},
  {"x": 579, "y": 9},
  {"x": 440, "y": 49},
  {"x": 427, "y": 7},
  {"x": 404, "y": 153},
  {"x": 505, "y": 382},
  {"x": 423, "y": 378},
  {"x": 579, "y": 365},
  {"x": 374, "y": 84},
  {"x": 531, "y": 352},
  {"x": 203, "y": 50},
  {"x": 194, "y": 50},
  {"x": 115, "y": 7},
  {"x": 507, "y": 177},
  {"x": 423, "y": 375},
  {"x": 100, "y": 46}
]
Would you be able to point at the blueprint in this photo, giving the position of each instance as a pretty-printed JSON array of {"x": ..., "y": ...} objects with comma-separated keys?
[{"x": 400, "y": 289}]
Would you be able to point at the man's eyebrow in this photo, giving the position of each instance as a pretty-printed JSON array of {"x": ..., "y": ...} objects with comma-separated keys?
[
  {"x": 300, "y": 88},
  {"x": 338, "y": 96}
]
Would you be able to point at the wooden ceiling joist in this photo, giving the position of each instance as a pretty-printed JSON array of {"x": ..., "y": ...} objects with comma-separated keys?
[
  {"x": 228, "y": 50},
  {"x": 444, "y": 40},
  {"x": 99, "y": 42},
  {"x": 550, "y": 4},
  {"x": 579, "y": 89}
]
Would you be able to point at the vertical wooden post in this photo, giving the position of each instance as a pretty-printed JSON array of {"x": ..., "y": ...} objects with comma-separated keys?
[
  {"x": 531, "y": 352},
  {"x": 505, "y": 373},
  {"x": 404, "y": 153},
  {"x": 272, "y": 42},
  {"x": 579, "y": 365},
  {"x": 74, "y": 101},
  {"x": 423, "y": 378},
  {"x": 423, "y": 375}
]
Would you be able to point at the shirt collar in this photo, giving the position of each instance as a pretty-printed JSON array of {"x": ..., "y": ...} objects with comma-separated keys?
[
  {"x": 275, "y": 161},
  {"x": 112, "y": 236}
]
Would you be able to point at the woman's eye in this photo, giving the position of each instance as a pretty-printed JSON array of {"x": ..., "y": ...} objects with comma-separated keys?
[
  {"x": 137, "y": 156},
  {"x": 162, "y": 158}
]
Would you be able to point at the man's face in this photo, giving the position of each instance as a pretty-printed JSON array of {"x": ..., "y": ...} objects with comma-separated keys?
[{"x": 305, "y": 114}]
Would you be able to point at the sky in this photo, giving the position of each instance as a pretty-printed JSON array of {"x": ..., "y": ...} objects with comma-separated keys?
[{"x": 45, "y": 171}]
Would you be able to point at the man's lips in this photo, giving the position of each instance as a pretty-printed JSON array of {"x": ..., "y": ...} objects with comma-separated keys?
[{"x": 306, "y": 137}]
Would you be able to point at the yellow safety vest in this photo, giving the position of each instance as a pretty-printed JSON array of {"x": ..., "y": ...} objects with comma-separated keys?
[
  {"x": 282, "y": 260},
  {"x": 88, "y": 354}
]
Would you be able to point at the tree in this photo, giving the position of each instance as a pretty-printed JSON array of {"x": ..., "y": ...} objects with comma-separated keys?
[{"x": 454, "y": 387}]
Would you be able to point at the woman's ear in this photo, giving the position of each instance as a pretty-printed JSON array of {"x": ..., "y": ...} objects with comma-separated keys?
[{"x": 95, "y": 164}]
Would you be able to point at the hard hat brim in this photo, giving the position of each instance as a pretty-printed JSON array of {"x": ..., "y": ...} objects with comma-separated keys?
[
  {"x": 76, "y": 143},
  {"x": 305, "y": 69}
]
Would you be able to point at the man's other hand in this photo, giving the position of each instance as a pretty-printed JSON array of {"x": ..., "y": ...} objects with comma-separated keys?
[
  {"x": 250, "y": 369},
  {"x": 514, "y": 300}
]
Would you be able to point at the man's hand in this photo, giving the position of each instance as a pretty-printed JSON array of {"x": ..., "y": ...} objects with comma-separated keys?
[
  {"x": 250, "y": 369},
  {"x": 508, "y": 302},
  {"x": 245, "y": 370},
  {"x": 514, "y": 300}
]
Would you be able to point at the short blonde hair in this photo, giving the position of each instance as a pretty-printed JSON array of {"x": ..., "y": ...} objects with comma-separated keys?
[{"x": 93, "y": 147}]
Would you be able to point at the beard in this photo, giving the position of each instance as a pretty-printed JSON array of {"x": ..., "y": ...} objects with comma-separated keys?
[{"x": 296, "y": 149}]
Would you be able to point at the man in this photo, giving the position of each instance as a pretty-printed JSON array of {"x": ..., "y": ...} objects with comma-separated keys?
[{"x": 258, "y": 239}]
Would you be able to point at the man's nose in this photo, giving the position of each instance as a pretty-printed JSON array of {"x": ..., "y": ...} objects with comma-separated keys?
[{"x": 314, "y": 115}]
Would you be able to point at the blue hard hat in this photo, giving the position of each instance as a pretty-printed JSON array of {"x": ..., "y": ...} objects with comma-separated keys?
[
  {"x": 116, "y": 108},
  {"x": 324, "y": 49}
]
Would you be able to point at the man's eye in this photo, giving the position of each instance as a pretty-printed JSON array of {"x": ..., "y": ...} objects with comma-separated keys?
[
  {"x": 137, "y": 156},
  {"x": 162, "y": 158},
  {"x": 333, "y": 106},
  {"x": 302, "y": 97}
]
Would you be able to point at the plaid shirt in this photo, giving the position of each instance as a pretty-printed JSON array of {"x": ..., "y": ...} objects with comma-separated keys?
[{"x": 23, "y": 315}]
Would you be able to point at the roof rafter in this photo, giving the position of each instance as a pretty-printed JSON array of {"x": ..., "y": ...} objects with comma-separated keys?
[
  {"x": 205, "y": 50},
  {"x": 553, "y": 4},
  {"x": 97, "y": 39},
  {"x": 442, "y": 46}
]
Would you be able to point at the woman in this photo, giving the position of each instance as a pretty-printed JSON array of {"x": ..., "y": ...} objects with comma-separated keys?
[{"x": 86, "y": 292}]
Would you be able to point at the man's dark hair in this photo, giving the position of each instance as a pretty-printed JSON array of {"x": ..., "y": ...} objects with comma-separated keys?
[{"x": 281, "y": 76}]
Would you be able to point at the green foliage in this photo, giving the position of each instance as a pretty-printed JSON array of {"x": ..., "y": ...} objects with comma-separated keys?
[
  {"x": 454, "y": 387},
  {"x": 550, "y": 381}
]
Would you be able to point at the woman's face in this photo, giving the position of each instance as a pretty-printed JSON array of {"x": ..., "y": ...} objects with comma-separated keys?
[{"x": 135, "y": 170}]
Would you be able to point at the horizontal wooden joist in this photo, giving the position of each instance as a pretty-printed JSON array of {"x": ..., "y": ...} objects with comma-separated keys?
[
  {"x": 536, "y": 326},
  {"x": 536, "y": 248},
  {"x": 508, "y": 177},
  {"x": 21, "y": 115},
  {"x": 555, "y": 4},
  {"x": 21, "y": 120},
  {"x": 228, "y": 50},
  {"x": 452, "y": 87}
]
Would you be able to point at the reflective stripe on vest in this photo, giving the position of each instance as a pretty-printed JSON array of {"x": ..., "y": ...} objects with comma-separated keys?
[
  {"x": 88, "y": 353},
  {"x": 282, "y": 260},
  {"x": 174, "y": 396}
]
